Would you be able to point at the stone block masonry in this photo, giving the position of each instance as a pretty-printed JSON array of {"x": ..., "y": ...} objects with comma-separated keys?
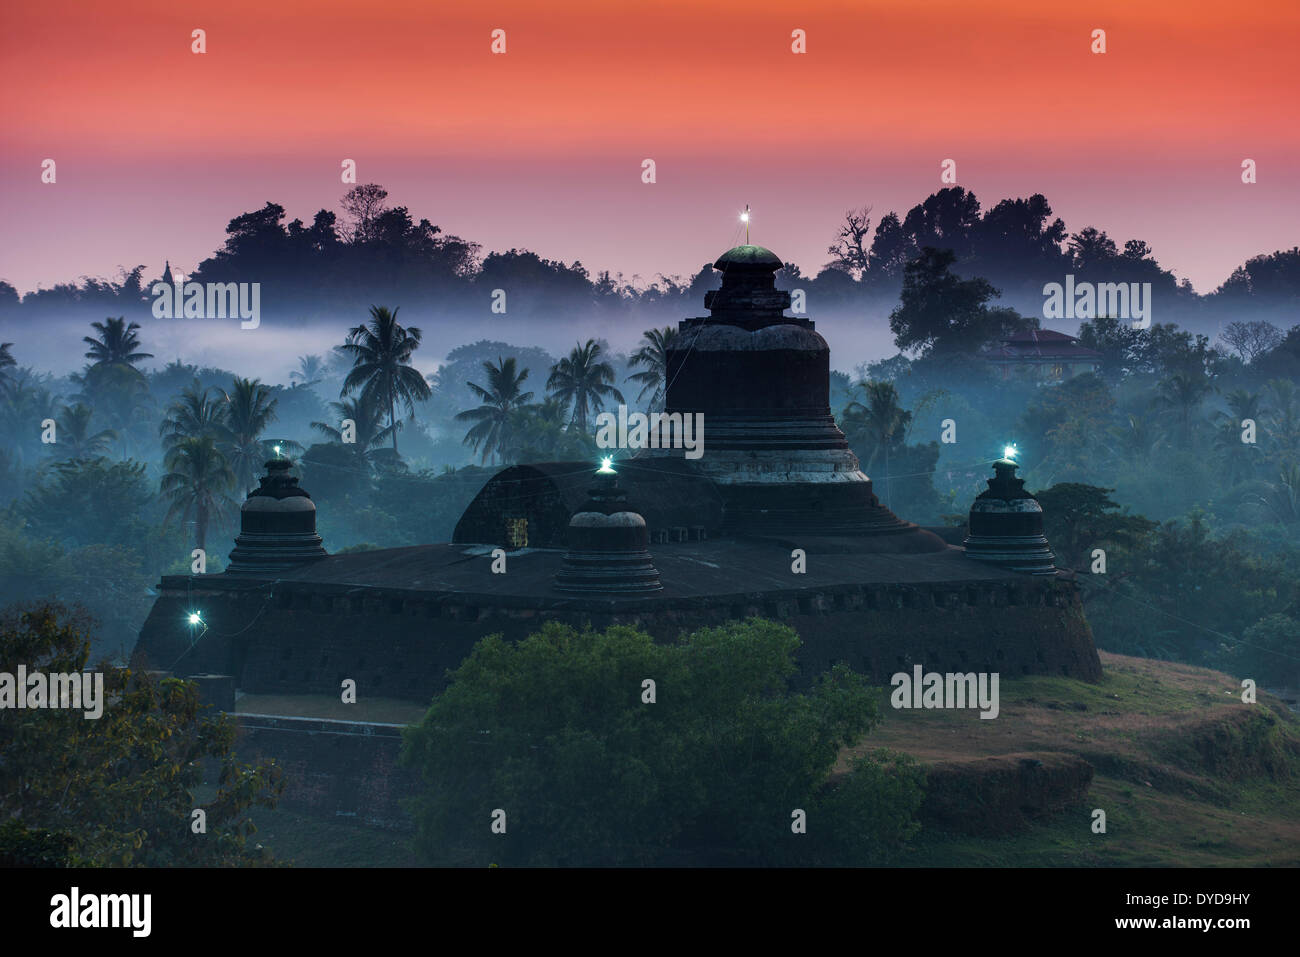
[
  {"x": 339, "y": 770},
  {"x": 306, "y": 638}
]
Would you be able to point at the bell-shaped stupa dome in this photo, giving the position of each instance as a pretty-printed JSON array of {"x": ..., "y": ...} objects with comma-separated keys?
[
  {"x": 1006, "y": 525},
  {"x": 608, "y": 542},
  {"x": 758, "y": 383},
  {"x": 277, "y": 525}
]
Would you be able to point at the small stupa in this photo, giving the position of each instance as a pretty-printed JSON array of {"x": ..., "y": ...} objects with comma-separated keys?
[
  {"x": 608, "y": 542},
  {"x": 1006, "y": 524},
  {"x": 277, "y": 524}
]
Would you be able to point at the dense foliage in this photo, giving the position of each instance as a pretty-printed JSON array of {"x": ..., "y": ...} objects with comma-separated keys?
[
  {"x": 557, "y": 731},
  {"x": 117, "y": 790}
]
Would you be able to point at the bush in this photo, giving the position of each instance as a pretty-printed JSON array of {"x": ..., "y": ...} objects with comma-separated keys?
[{"x": 556, "y": 732}]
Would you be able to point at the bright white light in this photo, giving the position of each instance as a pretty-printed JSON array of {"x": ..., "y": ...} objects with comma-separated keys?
[
  {"x": 277, "y": 450},
  {"x": 1010, "y": 452},
  {"x": 605, "y": 464},
  {"x": 195, "y": 619},
  {"x": 744, "y": 217}
]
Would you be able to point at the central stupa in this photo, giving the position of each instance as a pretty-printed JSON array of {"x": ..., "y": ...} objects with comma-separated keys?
[{"x": 761, "y": 381}]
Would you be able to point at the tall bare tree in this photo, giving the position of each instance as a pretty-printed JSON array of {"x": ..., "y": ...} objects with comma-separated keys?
[
  {"x": 1250, "y": 340},
  {"x": 364, "y": 204},
  {"x": 852, "y": 246}
]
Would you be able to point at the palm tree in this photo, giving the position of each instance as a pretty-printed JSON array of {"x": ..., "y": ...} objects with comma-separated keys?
[
  {"x": 7, "y": 361},
  {"x": 368, "y": 418},
  {"x": 75, "y": 435},
  {"x": 249, "y": 409},
  {"x": 881, "y": 417},
  {"x": 381, "y": 364},
  {"x": 653, "y": 354},
  {"x": 24, "y": 400},
  {"x": 309, "y": 371},
  {"x": 195, "y": 413},
  {"x": 585, "y": 380},
  {"x": 1136, "y": 440},
  {"x": 197, "y": 482},
  {"x": 117, "y": 343},
  {"x": 495, "y": 418},
  {"x": 1282, "y": 499},
  {"x": 1183, "y": 393},
  {"x": 542, "y": 436},
  {"x": 1283, "y": 420},
  {"x": 1237, "y": 458}
]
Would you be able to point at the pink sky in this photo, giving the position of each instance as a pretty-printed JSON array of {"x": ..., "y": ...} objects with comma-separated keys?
[{"x": 157, "y": 147}]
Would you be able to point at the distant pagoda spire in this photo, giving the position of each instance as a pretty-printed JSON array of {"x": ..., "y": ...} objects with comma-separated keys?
[{"x": 167, "y": 273}]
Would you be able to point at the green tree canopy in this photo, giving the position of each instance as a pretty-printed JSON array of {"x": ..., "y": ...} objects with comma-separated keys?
[
  {"x": 118, "y": 790},
  {"x": 941, "y": 313},
  {"x": 555, "y": 730}
]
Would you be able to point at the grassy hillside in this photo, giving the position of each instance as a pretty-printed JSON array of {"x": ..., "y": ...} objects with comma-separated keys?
[{"x": 1186, "y": 773}]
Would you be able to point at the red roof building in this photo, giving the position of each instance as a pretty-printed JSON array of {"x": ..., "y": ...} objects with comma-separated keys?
[{"x": 1044, "y": 355}]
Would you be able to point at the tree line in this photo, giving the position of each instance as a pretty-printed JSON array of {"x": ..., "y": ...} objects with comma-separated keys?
[{"x": 335, "y": 264}]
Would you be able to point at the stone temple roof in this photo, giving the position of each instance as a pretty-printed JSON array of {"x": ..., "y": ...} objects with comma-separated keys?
[
  {"x": 689, "y": 571},
  {"x": 748, "y": 256}
]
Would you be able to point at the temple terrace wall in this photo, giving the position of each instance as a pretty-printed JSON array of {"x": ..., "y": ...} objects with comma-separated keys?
[{"x": 307, "y": 637}]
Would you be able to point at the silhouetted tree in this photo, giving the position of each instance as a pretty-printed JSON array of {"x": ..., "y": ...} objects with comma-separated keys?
[
  {"x": 197, "y": 483},
  {"x": 584, "y": 380},
  {"x": 495, "y": 418},
  {"x": 941, "y": 313},
  {"x": 878, "y": 415},
  {"x": 196, "y": 413},
  {"x": 1251, "y": 339},
  {"x": 944, "y": 220},
  {"x": 309, "y": 371},
  {"x": 1183, "y": 394},
  {"x": 249, "y": 409},
  {"x": 381, "y": 353},
  {"x": 367, "y": 417},
  {"x": 75, "y": 438},
  {"x": 1238, "y": 460},
  {"x": 364, "y": 205},
  {"x": 653, "y": 355},
  {"x": 1078, "y": 518},
  {"x": 117, "y": 343},
  {"x": 119, "y": 394},
  {"x": 851, "y": 251}
]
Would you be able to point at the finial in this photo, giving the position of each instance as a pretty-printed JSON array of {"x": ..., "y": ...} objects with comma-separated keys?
[{"x": 744, "y": 218}]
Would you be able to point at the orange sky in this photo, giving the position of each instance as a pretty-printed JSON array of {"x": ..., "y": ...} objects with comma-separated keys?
[{"x": 159, "y": 147}]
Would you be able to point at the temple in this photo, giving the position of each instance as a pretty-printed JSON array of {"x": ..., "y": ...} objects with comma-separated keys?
[{"x": 774, "y": 518}]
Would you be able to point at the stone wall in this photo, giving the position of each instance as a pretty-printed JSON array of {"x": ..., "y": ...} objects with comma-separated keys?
[
  {"x": 339, "y": 770},
  {"x": 306, "y": 638}
]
